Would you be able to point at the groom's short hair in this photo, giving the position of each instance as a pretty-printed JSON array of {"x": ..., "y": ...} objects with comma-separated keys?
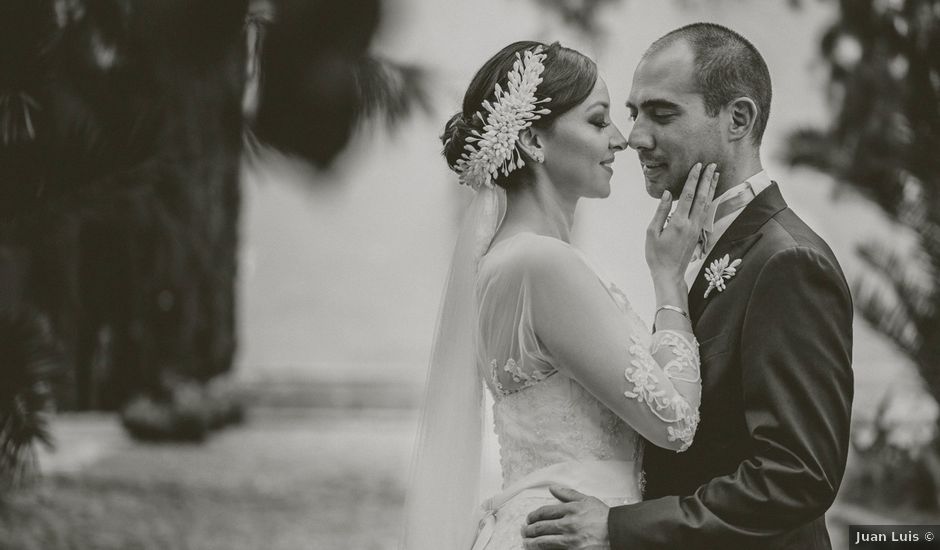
[{"x": 727, "y": 66}]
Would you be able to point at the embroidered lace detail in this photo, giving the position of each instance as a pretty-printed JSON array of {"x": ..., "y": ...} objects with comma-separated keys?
[
  {"x": 520, "y": 377},
  {"x": 685, "y": 364},
  {"x": 557, "y": 421},
  {"x": 668, "y": 405}
]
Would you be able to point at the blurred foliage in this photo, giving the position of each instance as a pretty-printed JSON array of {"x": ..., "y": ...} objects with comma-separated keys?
[
  {"x": 884, "y": 140},
  {"x": 184, "y": 410},
  {"x": 122, "y": 125},
  {"x": 585, "y": 15},
  {"x": 317, "y": 77},
  {"x": 582, "y": 15},
  {"x": 896, "y": 465},
  {"x": 30, "y": 363},
  {"x": 119, "y": 181}
]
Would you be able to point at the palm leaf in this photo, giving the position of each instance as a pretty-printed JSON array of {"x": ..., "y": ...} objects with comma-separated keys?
[
  {"x": 880, "y": 306},
  {"x": 389, "y": 89},
  {"x": 910, "y": 276},
  {"x": 316, "y": 80},
  {"x": 31, "y": 362},
  {"x": 583, "y": 15}
]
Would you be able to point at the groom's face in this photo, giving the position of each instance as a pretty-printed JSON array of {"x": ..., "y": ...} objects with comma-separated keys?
[{"x": 671, "y": 130}]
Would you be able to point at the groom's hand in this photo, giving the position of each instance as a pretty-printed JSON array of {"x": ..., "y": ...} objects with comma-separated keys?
[{"x": 578, "y": 523}]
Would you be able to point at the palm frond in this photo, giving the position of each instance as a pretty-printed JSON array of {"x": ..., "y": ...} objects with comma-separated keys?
[
  {"x": 26, "y": 28},
  {"x": 317, "y": 81},
  {"x": 583, "y": 15},
  {"x": 880, "y": 306},
  {"x": 389, "y": 89},
  {"x": 910, "y": 275},
  {"x": 31, "y": 361},
  {"x": 814, "y": 148}
]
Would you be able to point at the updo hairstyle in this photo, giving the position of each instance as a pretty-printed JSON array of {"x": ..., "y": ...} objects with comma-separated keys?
[{"x": 568, "y": 79}]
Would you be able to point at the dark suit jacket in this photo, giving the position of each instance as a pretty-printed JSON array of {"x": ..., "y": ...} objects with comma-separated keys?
[{"x": 770, "y": 451}]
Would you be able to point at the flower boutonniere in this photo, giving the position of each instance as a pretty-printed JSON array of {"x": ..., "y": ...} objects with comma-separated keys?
[{"x": 720, "y": 271}]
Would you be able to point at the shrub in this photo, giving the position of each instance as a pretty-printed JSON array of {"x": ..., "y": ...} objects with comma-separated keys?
[
  {"x": 187, "y": 412},
  {"x": 30, "y": 362}
]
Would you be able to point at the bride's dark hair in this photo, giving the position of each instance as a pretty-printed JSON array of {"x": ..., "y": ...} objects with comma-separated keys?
[{"x": 568, "y": 79}]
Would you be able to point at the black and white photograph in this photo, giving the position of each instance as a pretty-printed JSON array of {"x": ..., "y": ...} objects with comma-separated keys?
[{"x": 469, "y": 275}]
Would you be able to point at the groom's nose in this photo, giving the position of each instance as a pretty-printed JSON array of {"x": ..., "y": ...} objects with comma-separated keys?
[{"x": 640, "y": 137}]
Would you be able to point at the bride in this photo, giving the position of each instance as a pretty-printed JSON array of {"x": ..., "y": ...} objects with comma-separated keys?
[{"x": 578, "y": 380}]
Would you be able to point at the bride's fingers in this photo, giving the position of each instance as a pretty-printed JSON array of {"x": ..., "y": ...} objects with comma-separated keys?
[
  {"x": 710, "y": 194},
  {"x": 704, "y": 187},
  {"x": 661, "y": 215},
  {"x": 688, "y": 191},
  {"x": 701, "y": 192},
  {"x": 704, "y": 196}
]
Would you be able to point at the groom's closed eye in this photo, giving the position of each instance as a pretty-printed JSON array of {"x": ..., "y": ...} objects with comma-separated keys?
[
  {"x": 659, "y": 110},
  {"x": 663, "y": 116}
]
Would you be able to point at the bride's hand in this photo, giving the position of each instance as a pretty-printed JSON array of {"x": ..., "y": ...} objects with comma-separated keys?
[{"x": 669, "y": 248}]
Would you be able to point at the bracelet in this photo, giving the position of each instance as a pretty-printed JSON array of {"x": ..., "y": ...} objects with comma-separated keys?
[{"x": 678, "y": 310}]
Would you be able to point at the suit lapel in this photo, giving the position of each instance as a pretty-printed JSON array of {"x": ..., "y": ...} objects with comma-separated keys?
[{"x": 736, "y": 241}]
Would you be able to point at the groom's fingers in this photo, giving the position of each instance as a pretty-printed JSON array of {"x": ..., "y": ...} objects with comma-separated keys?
[
  {"x": 553, "y": 542},
  {"x": 541, "y": 529},
  {"x": 550, "y": 512},
  {"x": 565, "y": 494},
  {"x": 688, "y": 191},
  {"x": 546, "y": 543}
]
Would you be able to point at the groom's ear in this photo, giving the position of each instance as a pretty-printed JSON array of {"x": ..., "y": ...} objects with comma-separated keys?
[
  {"x": 743, "y": 113},
  {"x": 531, "y": 144}
]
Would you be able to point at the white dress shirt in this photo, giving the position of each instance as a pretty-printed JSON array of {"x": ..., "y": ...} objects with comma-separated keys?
[{"x": 714, "y": 229}]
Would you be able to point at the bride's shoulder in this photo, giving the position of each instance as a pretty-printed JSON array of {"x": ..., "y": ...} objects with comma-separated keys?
[{"x": 525, "y": 251}]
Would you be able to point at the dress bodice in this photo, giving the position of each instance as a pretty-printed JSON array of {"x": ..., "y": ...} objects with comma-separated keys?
[
  {"x": 542, "y": 414},
  {"x": 556, "y": 421}
]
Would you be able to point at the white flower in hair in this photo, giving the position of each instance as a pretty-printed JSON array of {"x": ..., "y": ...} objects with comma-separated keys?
[{"x": 514, "y": 109}]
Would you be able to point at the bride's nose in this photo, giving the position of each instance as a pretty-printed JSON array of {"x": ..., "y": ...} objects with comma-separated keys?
[{"x": 618, "y": 142}]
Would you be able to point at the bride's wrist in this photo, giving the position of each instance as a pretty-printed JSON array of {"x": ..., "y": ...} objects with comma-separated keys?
[{"x": 671, "y": 291}]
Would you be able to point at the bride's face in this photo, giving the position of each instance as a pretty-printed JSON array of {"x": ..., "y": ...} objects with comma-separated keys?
[{"x": 579, "y": 146}]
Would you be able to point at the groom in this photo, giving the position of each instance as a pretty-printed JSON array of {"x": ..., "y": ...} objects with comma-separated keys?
[{"x": 775, "y": 339}]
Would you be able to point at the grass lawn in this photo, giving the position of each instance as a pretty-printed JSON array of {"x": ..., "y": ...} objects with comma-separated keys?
[
  {"x": 302, "y": 479},
  {"x": 282, "y": 481}
]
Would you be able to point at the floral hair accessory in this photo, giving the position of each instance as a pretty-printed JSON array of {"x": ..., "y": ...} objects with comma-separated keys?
[{"x": 514, "y": 109}]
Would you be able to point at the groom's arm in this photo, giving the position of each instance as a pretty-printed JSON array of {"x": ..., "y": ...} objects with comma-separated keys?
[{"x": 797, "y": 383}]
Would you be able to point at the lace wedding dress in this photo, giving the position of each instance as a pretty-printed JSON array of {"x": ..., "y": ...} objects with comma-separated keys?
[{"x": 551, "y": 429}]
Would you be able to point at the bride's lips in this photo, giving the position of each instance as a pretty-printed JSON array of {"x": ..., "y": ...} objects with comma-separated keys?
[{"x": 607, "y": 165}]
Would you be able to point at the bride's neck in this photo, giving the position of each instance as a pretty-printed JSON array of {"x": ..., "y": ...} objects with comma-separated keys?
[{"x": 539, "y": 208}]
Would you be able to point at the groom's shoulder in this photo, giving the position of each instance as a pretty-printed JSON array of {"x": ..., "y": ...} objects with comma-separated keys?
[
  {"x": 786, "y": 238},
  {"x": 787, "y": 230}
]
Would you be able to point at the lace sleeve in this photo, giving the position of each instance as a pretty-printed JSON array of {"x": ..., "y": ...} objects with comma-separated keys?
[
  {"x": 657, "y": 390},
  {"x": 659, "y": 377}
]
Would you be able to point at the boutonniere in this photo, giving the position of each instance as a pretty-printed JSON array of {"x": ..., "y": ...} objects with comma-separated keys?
[{"x": 720, "y": 271}]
